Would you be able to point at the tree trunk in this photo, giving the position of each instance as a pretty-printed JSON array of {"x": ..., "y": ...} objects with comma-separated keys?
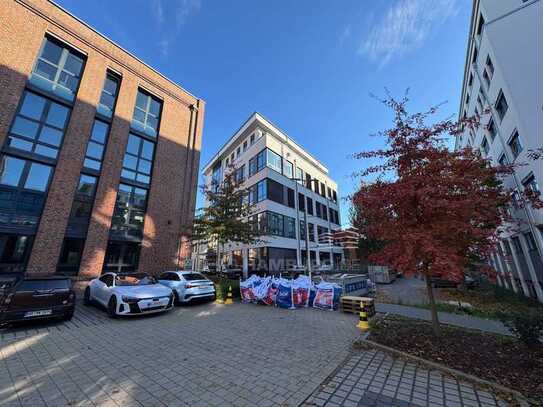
[{"x": 433, "y": 309}]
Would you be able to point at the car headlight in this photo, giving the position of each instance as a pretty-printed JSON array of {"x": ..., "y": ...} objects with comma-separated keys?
[{"x": 127, "y": 298}]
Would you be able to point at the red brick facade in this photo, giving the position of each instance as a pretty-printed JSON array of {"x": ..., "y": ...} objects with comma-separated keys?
[{"x": 171, "y": 195}]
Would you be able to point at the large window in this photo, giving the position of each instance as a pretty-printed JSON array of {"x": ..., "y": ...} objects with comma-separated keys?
[
  {"x": 58, "y": 69},
  {"x": 70, "y": 255},
  {"x": 109, "y": 95},
  {"x": 82, "y": 206},
  {"x": 492, "y": 129},
  {"x": 257, "y": 163},
  {"x": 14, "y": 252},
  {"x": 275, "y": 191},
  {"x": 129, "y": 213},
  {"x": 273, "y": 160},
  {"x": 96, "y": 146},
  {"x": 309, "y": 206},
  {"x": 216, "y": 176},
  {"x": 515, "y": 145},
  {"x": 275, "y": 224},
  {"x": 138, "y": 159},
  {"x": 501, "y": 105},
  {"x": 484, "y": 146},
  {"x": 287, "y": 168},
  {"x": 39, "y": 126},
  {"x": 146, "y": 114},
  {"x": 258, "y": 192},
  {"x": 22, "y": 192},
  {"x": 122, "y": 257}
]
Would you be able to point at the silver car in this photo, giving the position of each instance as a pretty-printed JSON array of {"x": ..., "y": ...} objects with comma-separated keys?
[{"x": 188, "y": 285}]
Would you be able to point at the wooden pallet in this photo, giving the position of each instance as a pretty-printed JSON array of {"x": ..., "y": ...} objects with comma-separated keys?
[{"x": 352, "y": 304}]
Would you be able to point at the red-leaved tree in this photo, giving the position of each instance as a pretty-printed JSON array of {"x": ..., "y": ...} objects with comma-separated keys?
[{"x": 434, "y": 210}]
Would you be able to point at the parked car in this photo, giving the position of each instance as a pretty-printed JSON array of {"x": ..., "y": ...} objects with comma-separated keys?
[
  {"x": 37, "y": 298},
  {"x": 129, "y": 294},
  {"x": 188, "y": 285}
]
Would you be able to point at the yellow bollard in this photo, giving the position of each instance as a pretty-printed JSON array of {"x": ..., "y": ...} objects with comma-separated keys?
[
  {"x": 363, "y": 320},
  {"x": 229, "y": 296}
]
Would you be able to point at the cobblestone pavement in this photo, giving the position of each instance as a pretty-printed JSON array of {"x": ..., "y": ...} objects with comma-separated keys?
[
  {"x": 203, "y": 355},
  {"x": 373, "y": 378}
]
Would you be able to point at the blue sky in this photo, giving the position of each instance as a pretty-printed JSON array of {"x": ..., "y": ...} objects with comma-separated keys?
[{"x": 307, "y": 65}]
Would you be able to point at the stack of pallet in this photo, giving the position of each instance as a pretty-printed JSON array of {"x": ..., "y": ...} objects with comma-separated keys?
[{"x": 352, "y": 304}]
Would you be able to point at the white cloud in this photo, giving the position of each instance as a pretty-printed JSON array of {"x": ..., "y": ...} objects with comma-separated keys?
[
  {"x": 405, "y": 27},
  {"x": 171, "y": 16}
]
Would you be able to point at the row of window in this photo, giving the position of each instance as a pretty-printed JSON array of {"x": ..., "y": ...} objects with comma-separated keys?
[
  {"x": 275, "y": 224},
  {"x": 277, "y": 192},
  {"x": 269, "y": 158},
  {"x": 241, "y": 149}
]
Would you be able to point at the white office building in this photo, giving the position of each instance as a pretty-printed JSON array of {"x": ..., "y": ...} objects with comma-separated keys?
[
  {"x": 293, "y": 196},
  {"x": 503, "y": 75}
]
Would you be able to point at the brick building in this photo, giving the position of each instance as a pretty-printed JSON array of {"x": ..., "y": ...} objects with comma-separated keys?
[{"x": 100, "y": 152}]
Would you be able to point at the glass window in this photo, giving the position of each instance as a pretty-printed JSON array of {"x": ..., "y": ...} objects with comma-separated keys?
[
  {"x": 146, "y": 113},
  {"x": 299, "y": 176},
  {"x": 309, "y": 206},
  {"x": 121, "y": 257},
  {"x": 38, "y": 177},
  {"x": 501, "y": 105},
  {"x": 290, "y": 227},
  {"x": 95, "y": 149},
  {"x": 484, "y": 146},
  {"x": 58, "y": 69},
  {"x": 515, "y": 145},
  {"x": 137, "y": 160},
  {"x": 245, "y": 145},
  {"x": 86, "y": 185},
  {"x": 70, "y": 255},
  {"x": 311, "y": 230},
  {"x": 14, "y": 251},
  {"x": 275, "y": 224},
  {"x": 39, "y": 126},
  {"x": 531, "y": 184},
  {"x": 109, "y": 95},
  {"x": 274, "y": 161},
  {"x": 287, "y": 168},
  {"x": 11, "y": 171},
  {"x": 129, "y": 213}
]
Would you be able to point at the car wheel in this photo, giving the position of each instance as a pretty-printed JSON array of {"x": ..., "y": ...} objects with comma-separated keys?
[
  {"x": 87, "y": 297},
  {"x": 112, "y": 307}
]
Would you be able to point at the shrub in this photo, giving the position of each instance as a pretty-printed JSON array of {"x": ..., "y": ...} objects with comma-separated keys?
[
  {"x": 221, "y": 286},
  {"x": 526, "y": 326}
]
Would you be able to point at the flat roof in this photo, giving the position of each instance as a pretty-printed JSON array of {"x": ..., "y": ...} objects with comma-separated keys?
[
  {"x": 122, "y": 49},
  {"x": 257, "y": 116}
]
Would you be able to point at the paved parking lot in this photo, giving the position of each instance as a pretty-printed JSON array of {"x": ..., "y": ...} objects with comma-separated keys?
[
  {"x": 213, "y": 355},
  {"x": 204, "y": 355}
]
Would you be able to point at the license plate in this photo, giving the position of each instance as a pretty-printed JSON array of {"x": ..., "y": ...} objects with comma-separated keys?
[
  {"x": 40, "y": 313},
  {"x": 150, "y": 304}
]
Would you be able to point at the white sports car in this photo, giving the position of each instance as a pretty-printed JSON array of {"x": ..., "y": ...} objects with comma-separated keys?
[{"x": 129, "y": 294}]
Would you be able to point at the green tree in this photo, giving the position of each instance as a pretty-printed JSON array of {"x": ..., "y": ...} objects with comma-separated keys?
[{"x": 225, "y": 218}]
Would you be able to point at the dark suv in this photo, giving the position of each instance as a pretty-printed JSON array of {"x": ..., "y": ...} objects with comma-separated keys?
[{"x": 37, "y": 298}]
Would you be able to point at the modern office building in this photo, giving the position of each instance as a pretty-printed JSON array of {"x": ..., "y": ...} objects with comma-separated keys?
[
  {"x": 292, "y": 193},
  {"x": 502, "y": 84},
  {"x": 99, "y": 152}
]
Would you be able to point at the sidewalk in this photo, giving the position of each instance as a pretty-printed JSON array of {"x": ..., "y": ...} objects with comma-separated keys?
[{"x": 463, "y": 321}]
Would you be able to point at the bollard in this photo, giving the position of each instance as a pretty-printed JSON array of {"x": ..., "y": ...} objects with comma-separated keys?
[
  {"x": 363, "y": 320},
  {"x": 229, "y": 296}
]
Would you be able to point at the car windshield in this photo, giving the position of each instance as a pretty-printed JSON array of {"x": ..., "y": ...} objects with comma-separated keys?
[
  {"x": 134, "y": 279},
  {"x": 45, "y": 284},
  {"x": 193, "y": 276}
]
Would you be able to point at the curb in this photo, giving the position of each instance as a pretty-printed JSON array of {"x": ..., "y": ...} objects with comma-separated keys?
[{"x": 519, "y": 396}]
